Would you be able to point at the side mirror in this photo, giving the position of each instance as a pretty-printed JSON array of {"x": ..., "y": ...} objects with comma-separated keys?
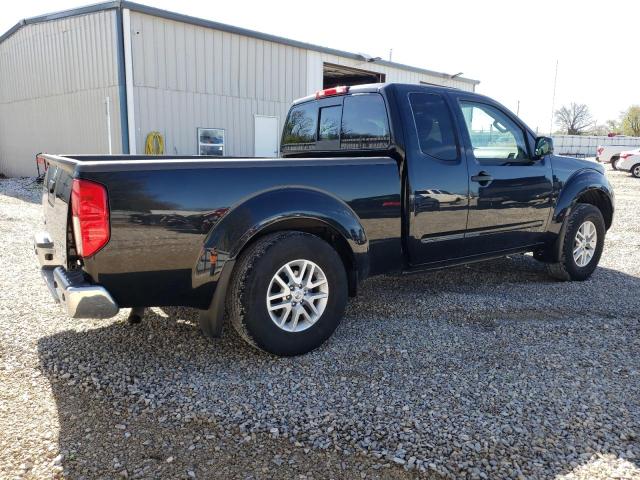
[{"x": 544, "y": 146}]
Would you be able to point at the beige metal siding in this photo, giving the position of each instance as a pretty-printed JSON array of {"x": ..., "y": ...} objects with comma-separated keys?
[
  {"x": 55, "y": 77},
  {"x": 186, "y": 76}
]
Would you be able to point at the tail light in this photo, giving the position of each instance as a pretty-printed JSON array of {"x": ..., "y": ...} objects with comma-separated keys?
[
  {"x": 625, "y": 155},
  {"x": 330, "y": 92},
  {"x": 599, "y": 150},
  {"x": 90, "y": 215}
]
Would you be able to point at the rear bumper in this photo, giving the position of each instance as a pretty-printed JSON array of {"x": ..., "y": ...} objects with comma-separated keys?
[{"x": 78, "y": 297}]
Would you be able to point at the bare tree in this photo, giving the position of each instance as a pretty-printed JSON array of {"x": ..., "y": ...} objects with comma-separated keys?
[
  {"x": 631, "y": 121},
  {"x": 575, "y": 119}
]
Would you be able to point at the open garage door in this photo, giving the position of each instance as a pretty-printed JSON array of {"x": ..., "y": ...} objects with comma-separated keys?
[{"x": 335, "y": 75}]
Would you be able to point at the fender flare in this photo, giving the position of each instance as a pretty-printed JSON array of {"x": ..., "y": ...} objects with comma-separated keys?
[
  {"x": 580, "y": 183},
  {"x": 287, "y": 208}
]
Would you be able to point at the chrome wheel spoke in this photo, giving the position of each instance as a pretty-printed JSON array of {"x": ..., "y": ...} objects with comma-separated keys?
[
  {"x": 316, "y": 296},
  {"x": 284, "y": 317},
  {"x": 313, "y": 308},
  {"x": 279, "y": 306}
]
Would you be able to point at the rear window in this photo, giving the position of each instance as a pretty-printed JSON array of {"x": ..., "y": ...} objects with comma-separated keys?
[
  {"x": 434, "y": 126},
  {"x": 329, "y": 128},
  {"x": 300, "y": 128},
  {"x": 364, "y": 123}
]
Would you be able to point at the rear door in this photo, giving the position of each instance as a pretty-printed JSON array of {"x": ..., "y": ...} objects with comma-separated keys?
[
  {"x": 509, "y": 191},
  {"x": 437, "y": 179}
]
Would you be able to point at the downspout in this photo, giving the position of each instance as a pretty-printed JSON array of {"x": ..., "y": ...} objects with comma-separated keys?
[
  {"x": 122, "y": 91},
  {"x": 128, "y": 74}
]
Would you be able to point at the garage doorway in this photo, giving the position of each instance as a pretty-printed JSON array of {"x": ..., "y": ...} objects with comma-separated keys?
[
  {"x": 266, "y": 136},
  {"x": 335, "y": 75}
]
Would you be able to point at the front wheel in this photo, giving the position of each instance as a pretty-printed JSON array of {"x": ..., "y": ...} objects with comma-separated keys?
[
  {"x": 288, "y": 293},
  {"x": 582, "y": 244}
]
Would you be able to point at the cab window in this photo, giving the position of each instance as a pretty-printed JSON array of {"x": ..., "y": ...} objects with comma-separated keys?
[
  {"x": 364, "y": 123},
  {"x": 299, "y": 130},
  {"x": 434, "y": 126}
]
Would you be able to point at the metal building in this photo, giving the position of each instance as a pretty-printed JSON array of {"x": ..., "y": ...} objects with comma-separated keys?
[{"x": 100, "y": 78}]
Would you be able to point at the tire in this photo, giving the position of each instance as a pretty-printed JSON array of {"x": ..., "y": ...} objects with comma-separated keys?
[
  {"x": 635, "y": 170},
  {"x": 614, "y": 164},
  {"x": 254, "y": 278},
  {"x": 568, "y": 268}
]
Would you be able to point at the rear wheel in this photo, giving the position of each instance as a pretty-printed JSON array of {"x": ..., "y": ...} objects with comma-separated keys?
[
  {"x": 614, "y": 164},
  {"x": 635, "y": 170},
  {"x": 288, "y": 293},
  {"x": 582, "y": 244}
]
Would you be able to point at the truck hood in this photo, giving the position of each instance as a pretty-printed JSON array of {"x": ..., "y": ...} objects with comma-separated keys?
[{"x": 564, "y": 167}]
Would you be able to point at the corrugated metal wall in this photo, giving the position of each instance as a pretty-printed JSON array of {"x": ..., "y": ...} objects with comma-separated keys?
[
  {"x": 187, "y": 76},
  {"x": 54, "y": 79}
]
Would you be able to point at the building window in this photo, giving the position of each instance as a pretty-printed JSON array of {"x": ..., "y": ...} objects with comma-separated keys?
[{"x": 211, "y": 141}]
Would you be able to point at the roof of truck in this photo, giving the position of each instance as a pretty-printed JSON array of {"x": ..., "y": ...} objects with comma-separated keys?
[{"x": 377, "y": 87}]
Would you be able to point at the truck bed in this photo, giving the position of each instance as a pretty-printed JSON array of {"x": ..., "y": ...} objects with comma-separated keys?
[{"x": 163, "y": 210}]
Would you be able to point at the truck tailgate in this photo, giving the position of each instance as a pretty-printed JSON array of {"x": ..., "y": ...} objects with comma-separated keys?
[{"x": 56, "y": 194}]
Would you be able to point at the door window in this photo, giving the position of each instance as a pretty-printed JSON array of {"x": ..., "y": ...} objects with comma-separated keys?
[
  {"x": 493, "y": 134},
  {"x": 434, "y": 126}
]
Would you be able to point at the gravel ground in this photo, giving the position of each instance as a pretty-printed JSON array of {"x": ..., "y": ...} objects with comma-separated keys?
[{"x": 487, "y": 371}]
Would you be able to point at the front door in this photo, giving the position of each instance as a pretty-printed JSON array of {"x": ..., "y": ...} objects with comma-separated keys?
[
  {"x": 509, "y": 190},
  {"x": 266, "y": 136}
]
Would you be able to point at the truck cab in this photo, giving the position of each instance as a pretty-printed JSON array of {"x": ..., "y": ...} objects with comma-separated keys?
[{"x": 475, "y": 182}]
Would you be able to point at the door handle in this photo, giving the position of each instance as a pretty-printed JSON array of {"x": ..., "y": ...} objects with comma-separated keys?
[{"x": 483, "y": 178}]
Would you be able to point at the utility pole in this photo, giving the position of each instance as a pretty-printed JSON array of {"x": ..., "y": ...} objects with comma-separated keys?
[
  {"x": 518, "y": 109},
  {"x": 390, "y": 54},
  {"x": 553, "y": 99}
]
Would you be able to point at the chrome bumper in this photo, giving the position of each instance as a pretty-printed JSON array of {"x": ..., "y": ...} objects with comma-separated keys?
[{"x": 79, "y": 298}]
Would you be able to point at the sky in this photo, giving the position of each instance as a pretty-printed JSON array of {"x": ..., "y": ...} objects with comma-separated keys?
[{"x": 510, "y": 46}]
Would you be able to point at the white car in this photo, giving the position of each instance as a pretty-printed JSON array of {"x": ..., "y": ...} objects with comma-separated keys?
[
  {"x": 629, "y": 161},
  {"x": 610, "y": 153}
]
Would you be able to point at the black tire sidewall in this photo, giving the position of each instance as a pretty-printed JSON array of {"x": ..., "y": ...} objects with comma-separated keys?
[
  {"x": 263, "y": 331},
  {"x": 581, "y": 214}
]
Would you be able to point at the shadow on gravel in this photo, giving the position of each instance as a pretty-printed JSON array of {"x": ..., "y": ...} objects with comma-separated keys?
[
  {"x": 23, "y": 188},
  {"x": 491, "y": 369}
]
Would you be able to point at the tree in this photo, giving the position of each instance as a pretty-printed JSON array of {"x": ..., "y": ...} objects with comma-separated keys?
[
  {"x": 613, "y": 126},
  {"x": 631, "y": 121},
  {"x": 574, "y": 119}
]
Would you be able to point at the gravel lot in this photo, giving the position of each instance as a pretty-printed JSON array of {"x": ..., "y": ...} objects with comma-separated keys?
[{"x": 487, "y": 371}]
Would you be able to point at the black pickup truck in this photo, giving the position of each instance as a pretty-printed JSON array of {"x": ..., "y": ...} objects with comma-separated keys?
[{"x": 372, "y": 179}]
